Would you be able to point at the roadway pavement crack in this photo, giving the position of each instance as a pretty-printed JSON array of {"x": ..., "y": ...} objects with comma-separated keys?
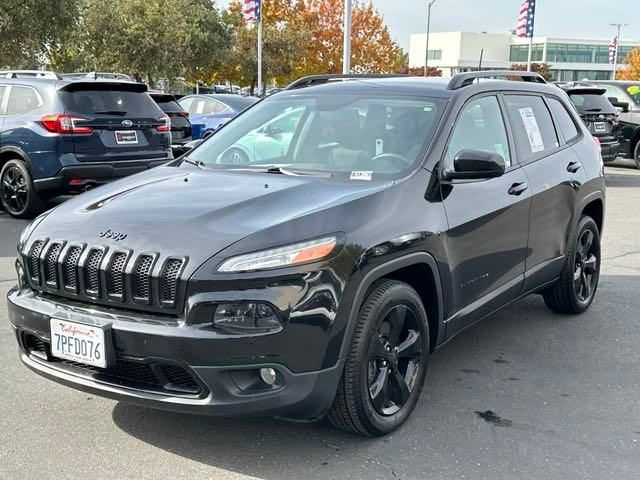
[{"x": 622, "y": 255}]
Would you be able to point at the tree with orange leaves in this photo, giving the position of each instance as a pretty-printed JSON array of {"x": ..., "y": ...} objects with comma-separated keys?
[
  {"x": 304, "y": 37},
  {"x": 632, "y": 71}
]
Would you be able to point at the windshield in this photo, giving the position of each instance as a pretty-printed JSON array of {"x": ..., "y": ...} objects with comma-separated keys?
[
  {"x": 634, "y": 92},
  {"x": 345, "y": 135},
  {"x": 591, "y": 103}
]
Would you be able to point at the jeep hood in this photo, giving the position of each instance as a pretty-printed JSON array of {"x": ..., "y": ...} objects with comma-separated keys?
[{"x": 192, "y": 212}]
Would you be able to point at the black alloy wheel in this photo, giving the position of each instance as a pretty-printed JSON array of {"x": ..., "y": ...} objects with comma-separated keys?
[
  {"x": 394, "y": 360},
  {"x": 576, "y": 288},
  {"x": 386, "y": 362},
  {"x": 586, "y": 266},
  {"x": 17, "y": 194},
  {"x": 636, "y": 155}
]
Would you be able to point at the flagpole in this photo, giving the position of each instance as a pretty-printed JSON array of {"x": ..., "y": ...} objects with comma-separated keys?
[
  {"x": 260, "y": 52},
  {"x": 346, "y": 43},
  {"x": 530, "y": 50},
  {"x": 615, "y": 54}
]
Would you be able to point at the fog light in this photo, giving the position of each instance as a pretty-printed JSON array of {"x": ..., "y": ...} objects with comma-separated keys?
[
  {"x": 246, "y": 318},
  {"x": 268, "y": 375}
]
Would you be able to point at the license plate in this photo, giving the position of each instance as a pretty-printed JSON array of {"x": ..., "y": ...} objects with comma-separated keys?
[
  {"x": 126, "y": 137},
  {"x": 600, "y": 127},
  {"x": 78, "y": 342},
  {"x": 177, "y": 134}
]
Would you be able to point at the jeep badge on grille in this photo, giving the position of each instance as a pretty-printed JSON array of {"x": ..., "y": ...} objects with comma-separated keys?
[{"x": 117, "y": 236}]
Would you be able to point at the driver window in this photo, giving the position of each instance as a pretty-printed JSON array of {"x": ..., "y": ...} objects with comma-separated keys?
[{"x": 480, "y": 126}]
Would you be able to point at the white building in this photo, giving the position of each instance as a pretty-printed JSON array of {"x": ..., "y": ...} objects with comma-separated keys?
[{"x": 568, "y": 58}]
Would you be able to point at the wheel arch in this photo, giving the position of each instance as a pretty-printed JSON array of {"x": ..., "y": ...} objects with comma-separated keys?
[
  {"x": 13, "y": 153},
  {"x": 420, "y": 270},
  {"x": 593, "y": 205}
]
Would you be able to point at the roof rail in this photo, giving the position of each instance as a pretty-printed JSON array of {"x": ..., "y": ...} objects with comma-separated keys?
[
  {"x": 28, "y": 74},
  {"x": 465, "y": 79},
  {"x": 95, "y": 76},
  {"x": 312, "y": 80}
]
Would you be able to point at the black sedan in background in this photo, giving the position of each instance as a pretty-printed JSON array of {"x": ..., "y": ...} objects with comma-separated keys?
[{"x": 180, "y": 123}]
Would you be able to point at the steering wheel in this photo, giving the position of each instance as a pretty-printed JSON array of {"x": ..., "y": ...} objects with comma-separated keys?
[{"x": 398, "y": 161}]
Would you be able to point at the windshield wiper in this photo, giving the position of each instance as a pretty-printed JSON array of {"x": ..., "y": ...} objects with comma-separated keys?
[
  {"x": 282, "y": 171},
  {"x": 111, "y": 112},
  {"x": 197, "y": 163}
]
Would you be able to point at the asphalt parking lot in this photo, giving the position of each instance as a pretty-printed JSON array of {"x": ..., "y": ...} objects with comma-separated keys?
[{"x": 524, "y": 394}]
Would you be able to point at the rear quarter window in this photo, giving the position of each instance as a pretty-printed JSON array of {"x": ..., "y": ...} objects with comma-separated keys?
[
  {"x": 110, "y": 102},
  {"x": 532, "y": 125},
  {"x": 564, "y": 121}
]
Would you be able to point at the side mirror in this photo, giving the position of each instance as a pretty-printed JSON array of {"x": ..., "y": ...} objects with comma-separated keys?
[
  {"x": 618, "y": 104},
  {"x": 271, "y": 130},
  {"x": 477, "y": 165}
]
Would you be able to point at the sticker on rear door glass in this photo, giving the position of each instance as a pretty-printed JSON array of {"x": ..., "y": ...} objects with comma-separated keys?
[
  {"x": 533, "y": 131},
  {"x": 361, "y": 175},
  {"x": 634, "y": 89}
]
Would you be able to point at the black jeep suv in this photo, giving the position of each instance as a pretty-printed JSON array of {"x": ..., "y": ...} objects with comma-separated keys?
[{"x": 315, "y": 277}]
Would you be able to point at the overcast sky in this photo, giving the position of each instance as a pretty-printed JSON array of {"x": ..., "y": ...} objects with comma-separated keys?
[{"x": 572, "y": 18}]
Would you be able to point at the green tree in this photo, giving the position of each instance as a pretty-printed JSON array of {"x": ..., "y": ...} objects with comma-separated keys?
[
  {"x": 32, "y": 30},
  {"x": 540, "y": 68},
  {"x": 153, "y": 39}
]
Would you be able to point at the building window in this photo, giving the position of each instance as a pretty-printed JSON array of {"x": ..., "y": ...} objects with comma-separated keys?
[
  {"x": 579, "y": 75},
  {"x": 520, "y": 53},
  {"x": 576, "y": 53},
  {"x": 434, "y": 55}
]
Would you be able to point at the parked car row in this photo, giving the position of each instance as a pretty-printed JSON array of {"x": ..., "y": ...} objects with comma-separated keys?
[{"x": 611, "y": 112}]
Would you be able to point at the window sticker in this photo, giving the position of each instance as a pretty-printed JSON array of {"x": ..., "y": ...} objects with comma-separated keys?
[
  {"x": 634, "y": 89},
  {"x": 200, "y": 107},
  {"x": 379, "y": 146},
  {"x": 533, "y": 131},
  {"x": 361, "y": 175}
]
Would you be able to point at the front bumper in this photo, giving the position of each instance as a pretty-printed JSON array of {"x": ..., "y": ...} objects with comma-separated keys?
[{"x": 219, "y": 387}]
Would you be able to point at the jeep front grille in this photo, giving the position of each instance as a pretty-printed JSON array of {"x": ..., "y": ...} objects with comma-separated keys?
[{"x": 107, "y": 276}]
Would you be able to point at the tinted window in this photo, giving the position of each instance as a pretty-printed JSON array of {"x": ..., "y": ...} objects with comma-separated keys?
[
  {"x": 564, "y": 121},
  {"x": 167, "y": 103},
  {"x": 532, "y": 125},
  {"x": 351, "y": 136},
  {"x": 480, "y": 126},
  {"x": 109, "y": 102},
  {"x": 21, "y": 100},
  {"x": 591, "y": 103}
]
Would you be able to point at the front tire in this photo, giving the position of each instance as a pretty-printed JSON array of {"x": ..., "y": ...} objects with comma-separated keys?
[
  {"x": 17, "y": 193},
  {"x": 386, "y": 363},
  {"x": 636, "y": 155},
  {"x": 576, "y": 289}
]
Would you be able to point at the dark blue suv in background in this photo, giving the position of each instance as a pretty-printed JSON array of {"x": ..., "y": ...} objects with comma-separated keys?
[{"x": 59, "y": 136}]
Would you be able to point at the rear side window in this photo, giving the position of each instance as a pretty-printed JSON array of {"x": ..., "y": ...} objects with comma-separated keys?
[
  {"x": 532, "y": 125},
  {"x": 109, "y": 102},
  {"x": 2, "y": 90},
  {"x": 22, "y": 99},
  {"x": 564, "y": 121},
  {"x": 207, "y": 106}
]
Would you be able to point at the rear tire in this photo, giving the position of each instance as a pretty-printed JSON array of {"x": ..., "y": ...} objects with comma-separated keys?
[
  {"x": 17, "y": 193},
  {"x": 575, "y": 290},
  {"x": 386, "y": 363},
  {"x": 636, "y": 155}
]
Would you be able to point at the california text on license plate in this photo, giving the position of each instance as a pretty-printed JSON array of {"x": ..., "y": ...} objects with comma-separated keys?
[
  {"x": 78, "y": 342},
  {"x": 126, "y": 137}
]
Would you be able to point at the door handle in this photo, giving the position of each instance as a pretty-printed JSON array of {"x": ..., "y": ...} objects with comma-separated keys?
[
  {"x": 573, "y": 167},
  {"x": 518, "y": 188}
]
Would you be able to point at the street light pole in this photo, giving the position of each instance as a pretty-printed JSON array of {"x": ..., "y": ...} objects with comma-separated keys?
[
  {"x": 346, "y": 44},
  {"x": 426, "y": 55},
  {"x": 615, "y": 55}
]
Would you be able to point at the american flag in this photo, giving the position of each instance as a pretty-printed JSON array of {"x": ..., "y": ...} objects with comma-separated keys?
[
  {"x": 613, "y": 46},
  {"x": 251, "y": 11},
  {"x": 524, "y": 28}
]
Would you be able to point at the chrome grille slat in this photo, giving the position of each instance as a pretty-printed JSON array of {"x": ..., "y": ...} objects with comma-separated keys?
[
  {"x": 70, "y": 267},
  {"x": 115, "y": 274},
  {"x": 51, "y": 264},
  {"x": 169, "y": 280},
  {"x": 34, "y": 260},
  {"x": 145, "y": 281},
  {"x": 92, "y": 271},
  {"x": 142, "y": 278}
]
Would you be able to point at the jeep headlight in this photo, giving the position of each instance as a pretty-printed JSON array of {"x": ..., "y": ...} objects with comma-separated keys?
[{"x": 281, "y": 257}]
